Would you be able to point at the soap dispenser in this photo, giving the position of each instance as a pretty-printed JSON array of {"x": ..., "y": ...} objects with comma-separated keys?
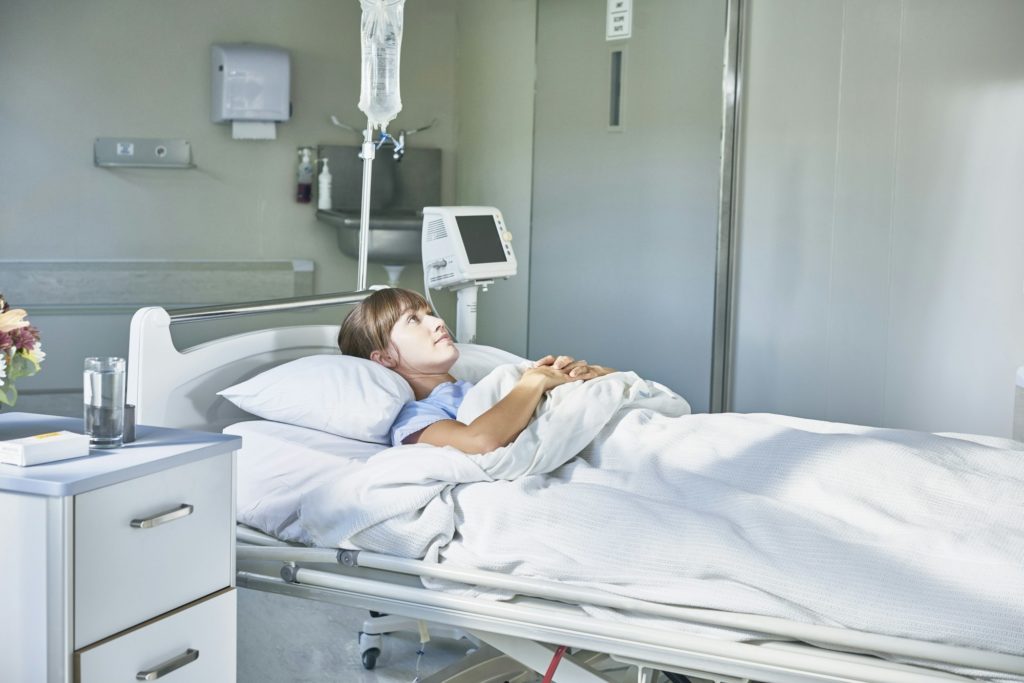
[
  {"x": 323, "y": 200},
  {"x": 305, "y": 176}
]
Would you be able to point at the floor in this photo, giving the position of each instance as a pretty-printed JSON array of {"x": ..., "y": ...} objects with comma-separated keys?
[{"x": 290, "y": 640}]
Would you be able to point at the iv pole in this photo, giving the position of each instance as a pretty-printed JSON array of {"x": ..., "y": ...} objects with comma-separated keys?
[
  {"x": 374, "y": 21},
  {"x": 367, "y": 153}
]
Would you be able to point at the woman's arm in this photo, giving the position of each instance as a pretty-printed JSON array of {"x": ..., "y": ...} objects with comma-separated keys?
[{"x": 502, "y": 423}]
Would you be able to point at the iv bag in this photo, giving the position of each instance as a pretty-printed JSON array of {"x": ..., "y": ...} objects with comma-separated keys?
[{"x": 381, "y": 36}]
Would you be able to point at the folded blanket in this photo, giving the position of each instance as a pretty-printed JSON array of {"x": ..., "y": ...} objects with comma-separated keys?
[{"x": 615, "y": 486}]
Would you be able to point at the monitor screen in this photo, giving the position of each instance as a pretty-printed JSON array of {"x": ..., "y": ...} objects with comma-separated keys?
[{"x": 480, "y": 237}]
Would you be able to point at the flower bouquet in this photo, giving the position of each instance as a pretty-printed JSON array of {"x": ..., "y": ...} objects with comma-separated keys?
[{"x": 20, "y": 351}]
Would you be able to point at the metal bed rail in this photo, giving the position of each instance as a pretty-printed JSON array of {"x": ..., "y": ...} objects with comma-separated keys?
[
  {"x": 530, "y": 621},
  {"x": 840, "y": 638},
  {"x": 200, "y": 313},
  {"x": 846, "y": 639}
]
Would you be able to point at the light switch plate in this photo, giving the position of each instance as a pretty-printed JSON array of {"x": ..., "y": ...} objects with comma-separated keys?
[{"x": 142, "y": 153}]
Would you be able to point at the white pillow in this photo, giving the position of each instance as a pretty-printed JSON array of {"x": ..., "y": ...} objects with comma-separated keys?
[
  {"x": 343, "y": 395},
  {"x": 476, "y": 360}
]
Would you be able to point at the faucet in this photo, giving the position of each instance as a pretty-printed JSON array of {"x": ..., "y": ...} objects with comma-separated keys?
[{"x": 397, "y": 143}]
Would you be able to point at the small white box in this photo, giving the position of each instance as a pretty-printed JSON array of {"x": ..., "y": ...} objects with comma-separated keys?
[{"x": 35, "y": 450}]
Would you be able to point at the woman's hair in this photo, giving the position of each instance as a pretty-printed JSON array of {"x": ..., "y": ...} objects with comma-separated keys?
[{"x": 367, "y": 327}]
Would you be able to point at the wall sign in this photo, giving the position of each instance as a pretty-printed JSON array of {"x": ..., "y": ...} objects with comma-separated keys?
[{"x": 620, "y": 19}]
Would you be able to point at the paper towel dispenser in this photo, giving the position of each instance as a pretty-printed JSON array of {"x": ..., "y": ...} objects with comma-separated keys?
[{"x": 251, "y": 84}]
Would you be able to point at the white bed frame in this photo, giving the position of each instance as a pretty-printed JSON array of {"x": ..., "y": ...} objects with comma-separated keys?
[{"x": 178, "y": 389}]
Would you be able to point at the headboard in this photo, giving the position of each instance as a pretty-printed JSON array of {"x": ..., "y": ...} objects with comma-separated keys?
[{"x": 172, "y": 388}]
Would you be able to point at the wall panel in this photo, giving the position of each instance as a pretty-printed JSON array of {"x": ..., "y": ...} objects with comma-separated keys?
[
  {"x": 622, "y": 261},
  {"x": 880, "y": 245}
]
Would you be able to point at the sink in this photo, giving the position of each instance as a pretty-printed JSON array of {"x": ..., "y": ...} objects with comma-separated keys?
[
  {"x": 394, "y": 235},
  {"x": 399, "y": 192}
]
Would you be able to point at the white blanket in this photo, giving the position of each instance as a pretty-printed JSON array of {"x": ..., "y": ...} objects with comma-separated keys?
[{"x": 614, "y": 485}]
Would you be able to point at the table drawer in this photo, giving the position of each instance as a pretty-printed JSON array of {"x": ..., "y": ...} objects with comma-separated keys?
[
  {"x": 194, "y": 645},
  {"x": 149, "y": 545}
]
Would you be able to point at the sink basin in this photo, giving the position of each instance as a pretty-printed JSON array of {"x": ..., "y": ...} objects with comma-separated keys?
[{"x": 394, "y": 236}]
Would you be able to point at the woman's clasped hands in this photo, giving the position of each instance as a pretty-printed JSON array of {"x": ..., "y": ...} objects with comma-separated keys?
[{"x": 563, "y": 369}]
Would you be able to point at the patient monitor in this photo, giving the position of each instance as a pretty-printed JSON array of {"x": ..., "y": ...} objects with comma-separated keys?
[{"x": 464, "y": 248}]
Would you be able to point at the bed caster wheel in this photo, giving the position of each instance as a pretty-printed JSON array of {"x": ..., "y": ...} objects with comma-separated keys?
[
  {"x": 370, "y": 658},
  {"x": 679, "y": 678}
]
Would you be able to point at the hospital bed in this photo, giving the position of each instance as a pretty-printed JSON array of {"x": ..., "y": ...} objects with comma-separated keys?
[{"x": 179, "y": 389}]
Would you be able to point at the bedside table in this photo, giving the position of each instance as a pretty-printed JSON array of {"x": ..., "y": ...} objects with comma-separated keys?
[{"x": 119, "y": 565}]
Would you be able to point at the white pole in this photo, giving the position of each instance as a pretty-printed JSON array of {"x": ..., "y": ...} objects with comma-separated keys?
[
  {"x": 465, "y": 317},
  {"x": 364, "y": 211}
]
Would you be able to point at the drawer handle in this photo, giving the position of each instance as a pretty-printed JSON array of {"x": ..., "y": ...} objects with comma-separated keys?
[
  {"x": 170, "y": 665},
  {"x": 184, "y": 510}
]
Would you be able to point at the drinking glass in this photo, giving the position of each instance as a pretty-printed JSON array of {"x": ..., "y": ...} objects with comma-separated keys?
[{"x": 103, "y": 394}]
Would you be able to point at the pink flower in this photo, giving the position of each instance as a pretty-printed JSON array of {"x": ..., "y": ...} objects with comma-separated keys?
[
  {"x": 23, "y": 338},
  {"x": 18, "y": 341}
]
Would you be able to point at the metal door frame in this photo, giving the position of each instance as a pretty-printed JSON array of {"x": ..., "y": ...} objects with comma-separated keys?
[{"x": 725, "y": 268}]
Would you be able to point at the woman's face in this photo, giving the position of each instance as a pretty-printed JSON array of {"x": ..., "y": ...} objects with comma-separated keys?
[{"x": 422, "y": 344}]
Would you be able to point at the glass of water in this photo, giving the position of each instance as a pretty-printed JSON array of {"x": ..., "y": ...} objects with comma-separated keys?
[{"x": 103, "y": 393}]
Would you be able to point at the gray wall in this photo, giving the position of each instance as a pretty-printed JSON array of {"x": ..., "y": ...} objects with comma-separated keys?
[
  {"x": 880, "y": 259},
  {"x": 74, "y": 71},
  {"x": 879, "y": 248},
  {"x": 494, "y": 101}
]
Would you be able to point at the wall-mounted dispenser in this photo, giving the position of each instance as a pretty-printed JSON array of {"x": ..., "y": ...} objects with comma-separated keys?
[{"x": 251, "y": 89}]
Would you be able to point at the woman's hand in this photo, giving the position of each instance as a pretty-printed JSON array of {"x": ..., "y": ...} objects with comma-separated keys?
[
  {"x": 546, "y": 377},
  {"x": 564, "y": 363},
  {"x": 576, "y": 369},
  {"x": 586, "y": 372},
  {"x": 558, "y": 362}
]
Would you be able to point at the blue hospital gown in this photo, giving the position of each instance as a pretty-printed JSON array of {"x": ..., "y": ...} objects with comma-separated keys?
[{"x": 442, "y": 404}]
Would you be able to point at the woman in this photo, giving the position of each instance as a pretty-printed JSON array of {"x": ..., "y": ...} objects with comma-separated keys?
[{"x": 397, "y": 328}]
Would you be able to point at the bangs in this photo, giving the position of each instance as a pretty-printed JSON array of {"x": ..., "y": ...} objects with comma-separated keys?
[
  {"x": 367, "y": 328},
  {"x": 385, "y": 307},
  {"x": 407, "y": 300}
]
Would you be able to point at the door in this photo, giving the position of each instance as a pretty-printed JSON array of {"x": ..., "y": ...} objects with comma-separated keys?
[{"x": 625, "y": 217}]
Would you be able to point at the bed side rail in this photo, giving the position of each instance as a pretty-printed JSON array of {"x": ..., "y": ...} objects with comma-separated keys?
[
  {"x": 843, "y": 639},
  {"x": 188, "y": 315}
]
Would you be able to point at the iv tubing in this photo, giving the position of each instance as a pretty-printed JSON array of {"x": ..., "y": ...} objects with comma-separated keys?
[{"x": 364, "y": 210}]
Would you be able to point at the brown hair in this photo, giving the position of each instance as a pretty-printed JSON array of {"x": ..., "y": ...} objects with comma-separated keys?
[{"x": 367, "y": 327}]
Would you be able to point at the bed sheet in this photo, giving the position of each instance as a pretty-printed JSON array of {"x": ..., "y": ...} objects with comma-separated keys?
[
  {"x": 278, "y": 463},
  {"x": 887, "y": 531}
]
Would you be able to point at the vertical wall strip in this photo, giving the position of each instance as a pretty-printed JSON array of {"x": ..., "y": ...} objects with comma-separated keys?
[
  {"x": 722, "y": 326},
  {"x": 615, "y": 94}
]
